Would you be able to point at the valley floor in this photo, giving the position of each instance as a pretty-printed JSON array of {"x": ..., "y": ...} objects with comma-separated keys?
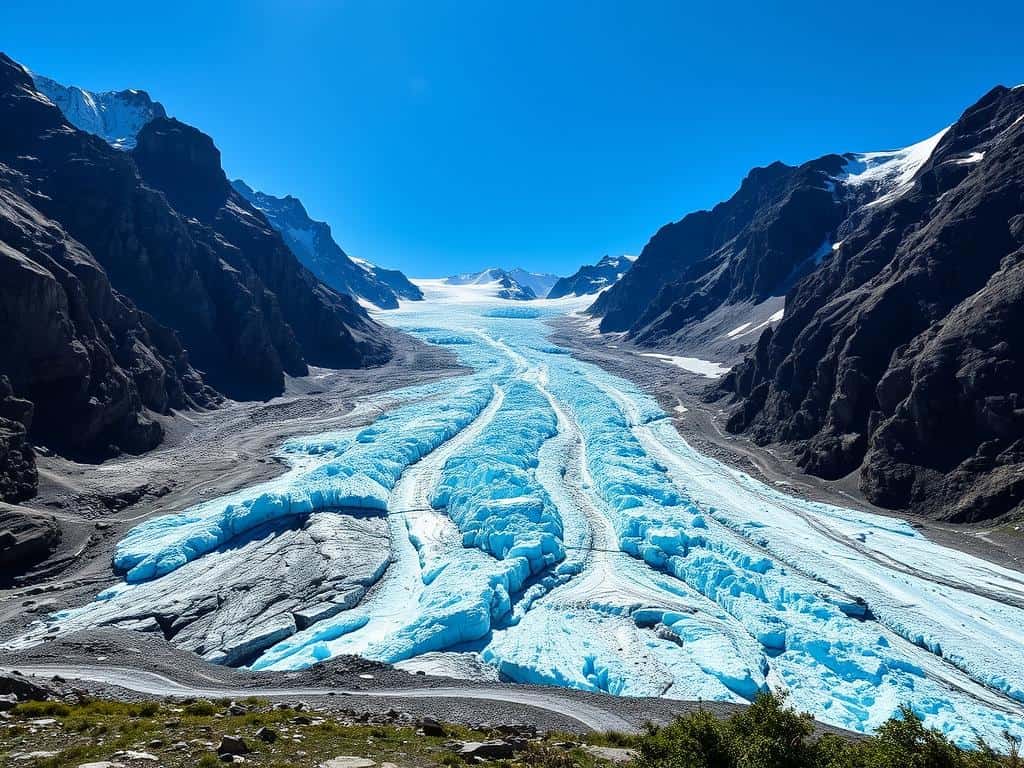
[{"x": 538, "y": 519}]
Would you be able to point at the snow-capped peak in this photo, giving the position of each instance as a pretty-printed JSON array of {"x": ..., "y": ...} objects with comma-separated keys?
[
  {"x": 514, "y": 283},
  {"x": 888, "y": 174},
  {"x": 114, "y": 116},
  {"x": 593, "y": 278}
]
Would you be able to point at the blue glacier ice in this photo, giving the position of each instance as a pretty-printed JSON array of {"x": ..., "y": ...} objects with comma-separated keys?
[
  {"x": 358, "y": 474},
  {"x": 491, "y": 491},
  {"x": 513, "y": 313},
  {"x": 546, "y": 516}
]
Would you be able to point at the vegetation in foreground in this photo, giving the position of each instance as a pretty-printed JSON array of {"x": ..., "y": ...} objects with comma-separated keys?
[{"x": 767, "y": 734}]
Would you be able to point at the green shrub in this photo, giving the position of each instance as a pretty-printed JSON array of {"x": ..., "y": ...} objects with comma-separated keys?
[
  {"x": 201, "y": 708},
  {"x": 42, "y": 709},
  {"x": 697, "y": 740},
  {"x": 768, "y": 734}
]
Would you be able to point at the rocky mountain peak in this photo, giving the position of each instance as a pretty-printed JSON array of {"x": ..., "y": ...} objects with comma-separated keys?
[
  {"x": 115, "y": 116},
  {"x": 184, "y": 163}
]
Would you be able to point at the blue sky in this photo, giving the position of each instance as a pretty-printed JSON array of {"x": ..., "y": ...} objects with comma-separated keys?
[{"x": 442, "y": 136}]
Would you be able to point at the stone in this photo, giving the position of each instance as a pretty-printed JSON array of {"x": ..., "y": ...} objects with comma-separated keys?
[
  {"x": 611, "y": 754},
  {"x": 232, "y": 745},
  {"x": 348, "y": 761},
  {"x": 494, "y": 749},
  {"x": 432, "y": 727},
  {"x": 267, "y": 735}
]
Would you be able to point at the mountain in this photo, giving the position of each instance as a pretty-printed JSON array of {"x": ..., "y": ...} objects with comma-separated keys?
[
  {"x": 312, "y": 243},
  {"x": 119, "y": 116},
  {"x": 504, "y": 285},
  {"x": 900, "y": 355},
  {"x": 592, "y": 278},
  {"x": 538, "y": 282},
  {"x": 115, "y": 116},
  {"x": 139, "y": 282},
  {"x": 701, "y": 278}
]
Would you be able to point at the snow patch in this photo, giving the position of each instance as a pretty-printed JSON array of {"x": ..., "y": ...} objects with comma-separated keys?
[
  {"x": 705, "y": 368},
  {"x": 889, "y": 173}
]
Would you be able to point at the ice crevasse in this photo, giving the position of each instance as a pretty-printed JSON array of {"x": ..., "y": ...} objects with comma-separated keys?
[
  {"x": 510, "y": 543},
  {"x": 358, "y": 474},
  {"x": 703, "y": 583},
  {"x": 491, "y": 492},
  {"x": 806, "y": 629}
]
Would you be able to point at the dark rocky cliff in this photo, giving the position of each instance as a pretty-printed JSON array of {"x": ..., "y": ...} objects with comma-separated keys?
[
  {"x": 314, "y": 245},
  {"x": 747, "y": 249},
  {"x": 119, "y": 286},
  {"x": 902, "y": 355}
]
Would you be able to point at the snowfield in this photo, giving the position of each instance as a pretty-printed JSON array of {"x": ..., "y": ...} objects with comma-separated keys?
[{"x": 542, "y": 519}]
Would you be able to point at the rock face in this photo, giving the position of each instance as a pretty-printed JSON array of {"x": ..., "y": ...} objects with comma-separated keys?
[
  {"x": 592, "y": 278},
  {"x": 18, "y": 475},
  {"x": 172, "y": 235},
  {"x": 86, "y": 360},
  {"x": 122, "y": 270},
  {"x": 747, "y": 249},
  {"x": 311, "y": 241},
  {"x": 902, "y": 354},
  {"x": 115, "y": 116},
  {"x": 26, "y": 538},
  {"x": 304, "y": 320}
]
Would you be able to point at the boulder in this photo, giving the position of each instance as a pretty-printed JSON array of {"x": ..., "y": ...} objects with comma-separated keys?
[{"x": 232, "y": 745}]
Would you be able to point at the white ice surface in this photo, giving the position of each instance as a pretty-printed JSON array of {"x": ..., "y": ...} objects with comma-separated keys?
[{"x": 547, "y": 521}]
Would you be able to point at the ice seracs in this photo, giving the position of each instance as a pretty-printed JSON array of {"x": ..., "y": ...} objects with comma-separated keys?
[{"x": 547, "y": 518}]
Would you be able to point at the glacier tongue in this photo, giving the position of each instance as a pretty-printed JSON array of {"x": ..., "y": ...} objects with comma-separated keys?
[
  {"x": 545, "y": 519},
  {"x": 360, "y": 474}
]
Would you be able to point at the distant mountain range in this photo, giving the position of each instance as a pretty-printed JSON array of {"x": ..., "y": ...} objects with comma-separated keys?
[
  {"x": 900, "y": 351},
  {"x": 118, "y": 116},
  {"x": 312, "y": 243},
  {"x": 516, "y": 284},
  {"x": 592, "y": 278},
  {"x": 520, "y": 285}
]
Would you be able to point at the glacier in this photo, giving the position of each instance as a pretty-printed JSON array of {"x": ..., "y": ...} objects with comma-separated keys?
[{"x": 542, "y": 520}]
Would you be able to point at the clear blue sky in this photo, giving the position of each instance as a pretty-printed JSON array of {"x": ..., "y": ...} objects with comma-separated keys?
[{"x": 441, "y": 136}]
